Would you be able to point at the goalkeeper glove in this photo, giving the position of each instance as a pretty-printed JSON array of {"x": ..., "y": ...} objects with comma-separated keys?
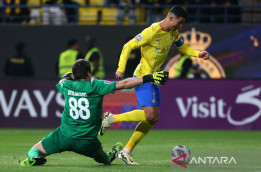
[
  {"x": 68, "y": 76},
  {"x": 158, "y": 77}
]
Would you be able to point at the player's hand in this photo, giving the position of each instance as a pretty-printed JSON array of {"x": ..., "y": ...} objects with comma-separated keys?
[
  {"x": 204, "y": 55},
  {"x": 119, "y": 75},
  {"x": 68, "y": 76},
  {"x": 158, "y": 77}
]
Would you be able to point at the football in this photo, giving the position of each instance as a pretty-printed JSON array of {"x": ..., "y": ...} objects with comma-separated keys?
[{"x": 179, "y": 151}]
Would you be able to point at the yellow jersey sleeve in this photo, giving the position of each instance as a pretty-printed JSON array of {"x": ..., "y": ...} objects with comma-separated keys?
[
  {"x": 140, "y": 40},
  {"x": 184, "y": 48}
]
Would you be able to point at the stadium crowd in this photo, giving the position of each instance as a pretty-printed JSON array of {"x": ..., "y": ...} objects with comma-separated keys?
[{"x": 119, "y": 12}]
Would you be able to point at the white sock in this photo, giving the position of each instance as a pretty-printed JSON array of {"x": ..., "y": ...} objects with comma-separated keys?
[
  {"x": 127, "y": 150},
  {"x": 111, "y": 120}
]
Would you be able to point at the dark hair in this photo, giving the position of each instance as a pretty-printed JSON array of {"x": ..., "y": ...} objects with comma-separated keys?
[
  {"x": 72, "y": 42},
  {"x": 178, "y": 11},
  {"x": 80, "y": 69},
  {"x": 20, "y": 47},
  {"x": 90, "y": 40}
]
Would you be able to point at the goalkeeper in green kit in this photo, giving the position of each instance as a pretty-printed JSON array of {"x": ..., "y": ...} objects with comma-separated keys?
[{"x": 82, "y": 115}]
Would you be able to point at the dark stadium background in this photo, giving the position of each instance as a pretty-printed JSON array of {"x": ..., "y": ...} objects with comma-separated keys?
[{"x": 218, "y": 117}]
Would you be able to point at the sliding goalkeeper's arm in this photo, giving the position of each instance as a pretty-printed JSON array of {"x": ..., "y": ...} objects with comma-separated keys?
[{"x": 158, "y": 77}]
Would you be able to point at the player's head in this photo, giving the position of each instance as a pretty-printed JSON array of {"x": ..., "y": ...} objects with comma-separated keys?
[
  {"x": 90, "y": 41},
  {"x": 178, "y": 11},
  {"x": 176, "y": 17},
  {"x": 73, "y": 44},
  {"x": 81, "y": 69}
]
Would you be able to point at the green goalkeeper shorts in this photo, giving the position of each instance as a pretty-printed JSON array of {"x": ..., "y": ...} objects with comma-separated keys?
[{"x": 56, "y": 142}]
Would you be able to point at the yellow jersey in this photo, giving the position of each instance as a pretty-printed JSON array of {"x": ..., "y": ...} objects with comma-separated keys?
[{"x": 155, "y": 44}]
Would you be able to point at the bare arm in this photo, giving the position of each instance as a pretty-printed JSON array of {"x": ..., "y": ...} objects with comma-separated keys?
[
  {"x": 158, "y": 77},
  {"x": 95, "y": 66},
  {"x": 129, "y": 83}
]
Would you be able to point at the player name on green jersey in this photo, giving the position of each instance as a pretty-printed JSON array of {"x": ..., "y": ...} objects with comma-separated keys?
[
  {"x": 79, "y": 94},
  {"x": 82, "y": 114}
]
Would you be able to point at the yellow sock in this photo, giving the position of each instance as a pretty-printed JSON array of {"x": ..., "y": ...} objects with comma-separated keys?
[
  {"x": 140, "y": 131},
  {"x": 132, "y": 116}
]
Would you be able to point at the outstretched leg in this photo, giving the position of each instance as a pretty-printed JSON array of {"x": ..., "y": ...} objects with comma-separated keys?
[
  {"x": 36, "y": 156},
  {"x": 132, "y": 116},
  {"x": 140, "y": 131},
  {"x": 107, "y": 158},
  {"x": 47, "y": 146},
  {"x": 148, "y": 96}
]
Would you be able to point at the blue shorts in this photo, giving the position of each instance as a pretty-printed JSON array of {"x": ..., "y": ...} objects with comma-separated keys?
[{"x": 148, "y": 94}]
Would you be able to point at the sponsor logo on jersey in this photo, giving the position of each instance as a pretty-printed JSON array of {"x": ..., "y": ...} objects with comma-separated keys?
[{"x": 139, "y": 37}]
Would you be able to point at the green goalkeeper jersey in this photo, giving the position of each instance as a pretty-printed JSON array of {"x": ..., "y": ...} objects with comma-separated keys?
[{"x": 82, "y": 115}]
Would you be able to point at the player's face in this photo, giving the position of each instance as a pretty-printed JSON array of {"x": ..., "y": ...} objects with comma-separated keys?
[
  {"x": 176, "y": 23},
  {"x": 77, "y": 46}
]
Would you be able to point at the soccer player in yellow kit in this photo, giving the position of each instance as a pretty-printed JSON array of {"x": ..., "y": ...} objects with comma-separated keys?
[{"x": 155, "y": 42}]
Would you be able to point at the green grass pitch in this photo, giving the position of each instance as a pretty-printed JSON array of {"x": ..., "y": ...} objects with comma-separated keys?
[{"x": 153, "y": 153}]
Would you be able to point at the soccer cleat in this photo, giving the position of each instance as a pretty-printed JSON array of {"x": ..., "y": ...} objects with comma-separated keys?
[
  {"x": 127, "y": 158},
  {"x": 28, "y": 162},
  {"x": 113, "y": 153},
  {"x": 106, "y": 122},
  {"x": 33, "y": 161}
]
